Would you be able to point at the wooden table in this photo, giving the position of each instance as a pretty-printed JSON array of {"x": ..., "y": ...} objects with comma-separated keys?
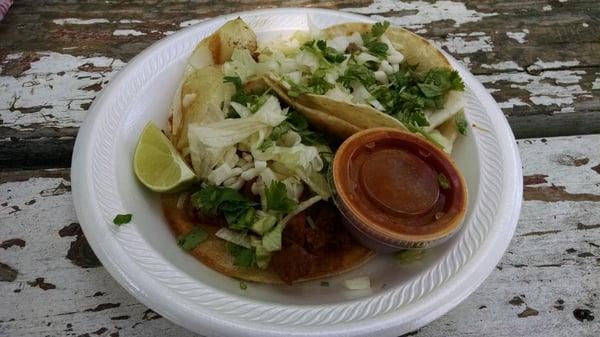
[{"x": 540, "y": 60}]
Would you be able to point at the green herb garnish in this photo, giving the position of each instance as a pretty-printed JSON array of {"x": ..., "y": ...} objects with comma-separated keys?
[
  {"x": 240, "y": 95},
  {"x": 443, "y": 181},
  {"x": 371, "y": 40},
  {"x": 243, "y": 285},
  {"x": 236, "y": 208},
  {"x": 190, "y": 240},
  {"x": 121, "y": 219},
  {"x": 461, "y": 122},
  {"x": 357, "y": 72},
  {"x": 329, "y": 53},
  {"x": 242, "y": 256},
  {"x": 277, "y": 198},
  {"x": 409, "y": 255}
]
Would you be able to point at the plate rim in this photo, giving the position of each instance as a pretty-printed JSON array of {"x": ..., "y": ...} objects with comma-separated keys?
[{"x": 212, "y": 324}]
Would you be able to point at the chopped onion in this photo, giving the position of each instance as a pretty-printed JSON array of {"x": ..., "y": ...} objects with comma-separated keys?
[
  {"x": 359, "y": 283},
  {"x": 239, "y": 239},
  {"x": 380, "y": 76}
]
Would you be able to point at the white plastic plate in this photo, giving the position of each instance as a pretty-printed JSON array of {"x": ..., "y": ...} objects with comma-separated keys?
[{"x": 144, "y": 258}]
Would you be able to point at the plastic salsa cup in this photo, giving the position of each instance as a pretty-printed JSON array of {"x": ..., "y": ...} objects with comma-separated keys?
[{"x": 396, "y": 190}]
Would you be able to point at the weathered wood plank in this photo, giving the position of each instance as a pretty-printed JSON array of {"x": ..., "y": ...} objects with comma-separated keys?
[
  {"x": 541, "y": 60},
  {"x": 546, "y": 285}
]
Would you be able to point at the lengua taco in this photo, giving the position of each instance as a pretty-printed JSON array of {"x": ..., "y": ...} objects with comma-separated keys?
[{"x": 263, "y": 211}]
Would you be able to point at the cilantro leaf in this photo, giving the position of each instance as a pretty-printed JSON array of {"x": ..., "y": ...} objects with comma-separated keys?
[
  {"x": 190, "y": 240},
  {"x": 316, "y": 84},
  {"x": 371, "y": 40},
  {"x": 357, "y": 72},
  {"x": 277, "y": 198},
  {"x": 420, "y": 130},
  {"x": 443, "y": 181},
  {"x": 242, "y": 256},
  {"x": 240, "y": 95},
  {"x": 236, "y": 208},
  {"x": 121, "y": 219},
  {"x": 461, "y": 122},
  {"x": 329, "y": 53}
]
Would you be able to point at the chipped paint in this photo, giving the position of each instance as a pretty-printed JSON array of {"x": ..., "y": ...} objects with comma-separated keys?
[
  {"x": 76, "y": 21},
  {"x": 549, "y": 87},
  {"x": 596, "y": 84},
  {"x": 427, "y": 12},
  {"x": 463, "y": 43},
  {"x": 518, "y": 36},
  {"x": 511, "y": 103},
  {"x": 541, "y": 65},
  {"x": 506, "y": 65},
  {"x": 127, "y": 32},
  {"x": 51, "y": 92},
  {"x": 130, "y": 21},
  {"x": 585, "y": 25},
  {"x": 547, "y": 8}
]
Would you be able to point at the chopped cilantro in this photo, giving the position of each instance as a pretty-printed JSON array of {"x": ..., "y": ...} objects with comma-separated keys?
[
  {"x": 315, "y": 84},
  {"x": 329, "y": 53},
  {"x": 420, "y": 130},
  {"x": 236, "y": 208},
  {"x": 240, "y": 95},
  {"x": 409, "y": 255},
  {"x": 443, "y": 181},
  {"x": 461, "y": 122},
  {"x": 243, "y": 285},
  {"x": 277, "y": 198},
  {"x": 190, "y": 240},
  {"x": 121, "y": 219},
  {"x": 357, "y": 72},
  {"x": 371, "y": 40},
  {"x": 242, "y": 256}
]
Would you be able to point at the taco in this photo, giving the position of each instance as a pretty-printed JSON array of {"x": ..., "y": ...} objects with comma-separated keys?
[
  {"x": 369, "y": 75},
  {"x": 263, "y": 211}
]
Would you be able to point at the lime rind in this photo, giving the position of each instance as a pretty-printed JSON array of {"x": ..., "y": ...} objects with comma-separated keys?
[{"x": 158, "y": 165}]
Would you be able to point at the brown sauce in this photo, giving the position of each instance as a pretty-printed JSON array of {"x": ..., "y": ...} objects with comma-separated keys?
[{"x": 392, "y": 181}]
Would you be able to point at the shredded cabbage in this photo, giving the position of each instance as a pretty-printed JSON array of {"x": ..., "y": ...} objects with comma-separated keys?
[
  {"x": 240, "y": 239},
  {"x": 242, "y": 65},
  {"x": 265, "y": 222}
]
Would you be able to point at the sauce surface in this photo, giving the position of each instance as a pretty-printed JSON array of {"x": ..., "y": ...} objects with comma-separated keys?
[{"x": 392, "y": 180}]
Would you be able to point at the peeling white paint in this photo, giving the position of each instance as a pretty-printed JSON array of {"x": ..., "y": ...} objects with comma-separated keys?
[
  {"x": 76, "y": 21},
  {"x": 559, "y": 87},
  {"x": 585, "y": 25},
  {"x": 426, "y": 12},
  {"x": 541, "y": 65},
  {"x": 506, "y": 65},
  {"x": 463, "y": 43},
  {"x": 168, "y": 32},
  {"x": 596, "y": 84},
  {"x": 54, "y": 86},
  {"x": 547, "y": 8},
  {"x": 130, "y": 21},
  {"x": 127, "y": 32},
  {"x": 518, "y": 36},
  {"x": 511, "y": 103},
  {"x": 192, "y": 22}
]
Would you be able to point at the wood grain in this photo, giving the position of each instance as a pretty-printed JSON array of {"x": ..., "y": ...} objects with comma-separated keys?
[
  {"x": 546, "y": 285},
  {"x": 540, "y": 59}
]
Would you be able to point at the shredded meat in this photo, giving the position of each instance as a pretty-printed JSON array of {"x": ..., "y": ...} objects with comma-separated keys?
[
  {"x": 295, "y": 230},
  {"x": 292, "y": 262},
  {"x": 352, "y": 48},
  {"x": 305, "y": 243}
]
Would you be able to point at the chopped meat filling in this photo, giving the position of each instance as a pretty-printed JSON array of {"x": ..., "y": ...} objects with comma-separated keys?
[{"x": 306, "y": 241}]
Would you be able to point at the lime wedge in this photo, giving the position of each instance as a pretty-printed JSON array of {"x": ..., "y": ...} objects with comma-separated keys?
[{"x": 157, "y": 164}]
